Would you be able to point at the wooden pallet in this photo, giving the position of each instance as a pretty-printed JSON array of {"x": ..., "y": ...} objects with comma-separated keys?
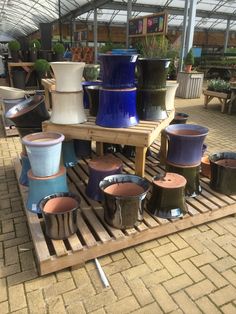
[{"x": 95, "y": 238}]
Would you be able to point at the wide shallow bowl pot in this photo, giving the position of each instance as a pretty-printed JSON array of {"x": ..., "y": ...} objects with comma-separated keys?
[
  {"x": 124, "y": 196},
  {"x": 60, "y": 214},
  {"x": 7, "y": 92},
  {"x": 223, "y": 172}
]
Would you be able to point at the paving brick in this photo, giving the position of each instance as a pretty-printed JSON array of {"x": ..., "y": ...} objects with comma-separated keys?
[
  {"x": 39, "y": 282},
  {"x": 215, "y": 249},
  {"x": 151, "y": 260},
  {"x": 200, "y": 289},
  {"x": 223, "y": 295},
  {"x": 56, "y": 305},
  {"x": 22, "y": 311},
  {"x": 63, "y": 274},
  {"x": 217, "y": 228},
  {"x": 231, "y": 250},
  {"x": 185, "y": 303},
  {"x": 59, "y": 288},
  {"x": 99, "y": 311},
  {"x": 3, "y": 290},
  {"x": 203, "y": 228},
  {"x": 218, "y": 280},
  {"x": 177, "y": 283},
  {"x": 96, "y": 280},
  {"x": 183, "y": 254},
  {"x": 197, "y": 245},
  {"x": 164, "y": 249},
  {"x": 225, "y": 239},
  {"x": 27, "y": 260},
  {"x": 76, "y": 308},
  {"x": 178, "y": 241},
  {"x": 9, "y": 270},
  {"x": 173, "y": 268},
  {"x": 100, "y": 300},
  {"x": 11, "y": 256},
  {"x": 136, "y": 272},
  {"x": 133, "y": 257},
  {"x": 203, "y": 259},
  {"x": 117, "y": 256},
  {"x": 163, "y": 299},
  {"x": 191, "y": 270},
  {"x": 224, "y": 263},
  {"x": 230, "y": 276},
  {"x": 7, "y": 226},
  {"x": 17, "y": 297},
  {"x": 84, "y": 291},
  {"x": 21, "y": 229},
  {"x": 147, "y": 246},
  {"x": 4, "y": 307},
  {"x": 123, "y": 306},
  {"x": 80, "y": 276},
  {"x": 141, "y": 293},
  {"x": 188, "y": 233},
  {"x": 156, "y": 277},
  {"x": 119, "y": 286},
  {"x": 36, "y": 302},
  {"x": 207, "y": 306},
  {"x": 116, "y": 267},
  {"x": 1, "y": 250},
  {"x": 7, "y": 236},
  {"x": 22, "y": 277},
  {"x": 16, "y": 241},
  {"x": 228, "y": 309}
]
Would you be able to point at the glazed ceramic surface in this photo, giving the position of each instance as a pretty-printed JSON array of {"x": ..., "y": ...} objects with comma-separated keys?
[
  {"x": 60, "y": 214},
  {"x": 185, "y": 144},
  {"x": 44, "y": 152},
  {"x": 152, "y": 73},
  {"x": 25, "y": 167},
  {"x": 85, "y": 84},
  {"x": 93, "y": 97},
  {"x": 82, "y": 148},
  {"x": 7, "y": 105},
  {"x": 151, "y": 104},
  {"x": 117, "y": 108},
  {"x": 124, "y": 198},
  {"x": 30, "y": 112},
  {"x": 170, "y": 94},
  {"x": 7, "y": 92},
  {"x": 67, "y": 108},
  {"x": 91, "y": 72},
  {"x": 117, "y": 70},
  {"x": 39, "y": 187},
  {"x": 168, "y": 196},
  {"x": 68, "y": 75},
  {"x": 68, "y": 154},
  {"x": 223, "y": 172},
  {"x": 180, "y": 118}
]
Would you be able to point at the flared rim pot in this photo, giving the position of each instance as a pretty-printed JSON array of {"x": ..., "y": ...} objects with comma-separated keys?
[
  {"x": 30, "y": 112},
  {"x": 42, "y": 139},
  {"x": 124, "y": 197},
  {"x": 8, "y": 92},
  {"x": 117, "y": 70},
  {"x": 93, "y": 96},
  {"x": 223, "y": 172},
  {"x": 68, "y": 75},
  {"x": 185, "y": 143}
]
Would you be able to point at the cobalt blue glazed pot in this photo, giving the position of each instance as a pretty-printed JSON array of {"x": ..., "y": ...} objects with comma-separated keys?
[
  {"x": 117, "y": 108},
  {"x": 118, "y": 70},
  {"x": 185, "y": 143},
  {"x": 223, "y": 172}
]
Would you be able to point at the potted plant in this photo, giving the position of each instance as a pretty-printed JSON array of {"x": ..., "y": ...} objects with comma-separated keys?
[
  {"x": 59, "y": 50},
  {"x": 219, "y": 85},
  {"x": 42, "y": 68},
  {"x": 14, "y": 47},
  {"x": 34, "y": 46},
  {"x": 189, "y": 61}
]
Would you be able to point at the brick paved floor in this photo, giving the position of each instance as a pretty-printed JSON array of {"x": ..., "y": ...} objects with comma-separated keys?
[{"x": 193, "y": 271}]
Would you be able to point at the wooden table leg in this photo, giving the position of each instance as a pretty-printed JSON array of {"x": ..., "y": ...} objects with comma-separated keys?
[
  {"x": 163, "y": 148},
  {"x": 99, "y": 148},
  {"x": 140, "y": 156}
]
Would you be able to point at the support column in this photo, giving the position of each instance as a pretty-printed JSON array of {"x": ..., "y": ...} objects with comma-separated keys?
[
  {"x": 60, "y": 24},
  {"x": 191, "y": 22},
  {"x": 95, "y": 35},
  {"x": 183, "y": 39},
  {"x": 227, "y": 36},
  {"x": 129, "y": 15}
]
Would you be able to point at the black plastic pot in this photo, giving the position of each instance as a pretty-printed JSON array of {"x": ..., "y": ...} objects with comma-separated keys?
[{"x": 180, "y": 118}]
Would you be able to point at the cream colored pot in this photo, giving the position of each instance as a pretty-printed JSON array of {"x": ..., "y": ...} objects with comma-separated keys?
[
  {"x": 7, "y": 92},
  {"x": 170, "y": 94}
]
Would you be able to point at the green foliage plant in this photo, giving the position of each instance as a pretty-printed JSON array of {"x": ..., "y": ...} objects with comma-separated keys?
[
  {"x": 35, "y": 44},
  {"x": 58, "y": 48},
  {"x": 14, "y": 45},
  {"x": 189, "y": 59},
  {"x": 153, "y": 46},
  {"x": 109, "y": 46},
  {"x": 42, "y": 66},
  {"x": 219, "y": 85}
]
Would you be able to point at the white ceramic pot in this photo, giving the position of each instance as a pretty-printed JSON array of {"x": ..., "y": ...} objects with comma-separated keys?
[
  {"x": 67, "y": 108},
  {"x": 68, "y": 75},
  {"x": 170, "y": 94},
  {"x": 7, "y": 92}
]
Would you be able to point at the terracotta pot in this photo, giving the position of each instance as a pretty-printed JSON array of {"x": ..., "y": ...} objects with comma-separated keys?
[
  {"x": 124, "y": 197},
  {"x": 188, "y": 68},
  {"x": 205, "y": 167},
  {"x": 60, "y": 214},
  {"x": 223, "y": 172}
]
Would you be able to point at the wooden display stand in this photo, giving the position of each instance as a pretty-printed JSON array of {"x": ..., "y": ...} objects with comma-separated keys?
[
  {"x": 190, "y": 85},
  {"x": 27, "y": 66},
  {"x": 222, "y": 97}
]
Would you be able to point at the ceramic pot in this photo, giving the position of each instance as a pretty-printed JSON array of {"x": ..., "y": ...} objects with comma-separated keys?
[
  {"x": 83, "y": 148},
  {"x": 30, "y": 112},
  {"x": 124, "y": 197},
  {"x": 68, "y": 75},
  {"x": 171, "y": 88},
  {"x": 60, "y": 214},
  {"x": 180, "y": 118},
  {"x": 223, "y": 172},
  {"x": 11, "y": 93},
  {"x": 85, "y": 84},
  {"x": 152, "y": 73},
  {"x": 67, "y": 108},
  {"x": 44, "y": 152},
  {"x": 91, "y": 72},
  {"x": 68, "y": 154},
  {"x": 121, "y": 51},
  {"x": 185, "y": 144},
  {"x": 168, "y": 196},
  {"x": 25, "y": 167},
  {"x": 25, "y": 131},
  {"x": 117, "y": 70},
  {"x": 39, "y": 187},
  {"x": 151, "y": 104},
  {"x": 117, "y": 108},
  {"x": 205, "y": 167},
  {"x": 191, "y": 174},
  {"x": 93, "y": 97},
  {"x": 7, "y": 105}
]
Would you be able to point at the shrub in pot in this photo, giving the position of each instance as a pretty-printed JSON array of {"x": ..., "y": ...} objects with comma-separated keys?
[
  {"x": 189, "y": 61},
  {"x": 42, "y": 68},
  {"x": 59, "y": 50},
  {"x": 34, "y": 46},
  {"x": 14, "y": 47}
]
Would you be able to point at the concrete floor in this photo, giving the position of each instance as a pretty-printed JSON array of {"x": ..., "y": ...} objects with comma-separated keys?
[{"x": 193, "y": 271}]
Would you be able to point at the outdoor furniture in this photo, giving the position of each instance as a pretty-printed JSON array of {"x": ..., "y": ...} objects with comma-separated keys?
[
  {"x": 222, "y": 97},
  {"x": 190, "y": 84}
]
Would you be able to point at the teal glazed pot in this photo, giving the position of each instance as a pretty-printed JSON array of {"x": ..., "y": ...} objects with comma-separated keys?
[
  {"x": 168, "y": 196},
  {"x": 185, "y": 142},
  {"x": 151, "y": 104},
  {"x": 223, "y": 172},
  {"x": 152, "y": 73},
  {"x": 25, "y": 167},
  {"x": 68, "y": 154},
  {"x": 124, "y": 199}
]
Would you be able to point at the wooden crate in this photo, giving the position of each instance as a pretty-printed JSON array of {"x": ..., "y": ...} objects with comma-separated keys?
[{"x": 95, "y": 238}]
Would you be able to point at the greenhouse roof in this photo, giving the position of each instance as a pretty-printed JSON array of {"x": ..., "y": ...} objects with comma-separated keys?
[{"x": 22, "y": 17}]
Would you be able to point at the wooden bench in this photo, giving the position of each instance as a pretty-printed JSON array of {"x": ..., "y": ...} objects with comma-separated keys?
[{"x": 222, "y": 97}]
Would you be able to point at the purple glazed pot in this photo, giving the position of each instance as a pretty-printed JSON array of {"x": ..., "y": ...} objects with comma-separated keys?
[{"x": 185, "y": 143}]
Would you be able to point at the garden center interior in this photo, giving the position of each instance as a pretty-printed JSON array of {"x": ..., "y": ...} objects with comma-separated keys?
[{"x": 118, "y": 156}]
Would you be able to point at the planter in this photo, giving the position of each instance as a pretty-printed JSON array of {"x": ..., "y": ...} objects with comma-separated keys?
[
  {"x": 85, "y": 84},
  {"x": 152, "y": 73},
  {"x": 83, "y": 148},
  {"x": 91, "y": 72},
  {"x": 7, "y": 105},
  {"x": 205, "y": 167},
  {"x": 68, "y": 76},
  {"x": 67, "y": 108},
  {"x": 117, "y": 108},
  {"x": 11, "y": 93},
  {"x": 68, "y": 154},
  {"x": 33, "y": 55},
  {"x": 44, "y": 152},
  {"x": 93, "y": 97},
  {"x": 151, "y": 104},
  {"x": 18, "y": 78},
  {"x": 168, "y": 196},
  {"x": 60, "y": 214},
  {"x": 30, "y": 112},
  {"x": 223, "y": 172},
  {"x": 185, "y": 143},
  {"x": 118, "y": 70},
  {"x": 171, "y": 88},
  {"x": 124, "y": 197},
  {"x": 180, "y": 118},
  {"x": 25, "y": 131},
  {"x": 25, "y": 164}
]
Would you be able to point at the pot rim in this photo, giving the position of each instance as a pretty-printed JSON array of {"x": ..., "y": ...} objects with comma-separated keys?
[
  {"x": 56, "y": 138},
  {"x": 214, "y": 157},
  {"x": 67, "y": 63},
  {"x": 176, "y": 127},
  {"x": 153, "y": 58}
]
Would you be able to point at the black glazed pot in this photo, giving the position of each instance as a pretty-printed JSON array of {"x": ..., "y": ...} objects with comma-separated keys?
[
  {"x": 180, "y": 118},
  {"x": 223, "y": 172},
  {"x": 30, "y": 112},
  {"x": 93, "y": 97}
]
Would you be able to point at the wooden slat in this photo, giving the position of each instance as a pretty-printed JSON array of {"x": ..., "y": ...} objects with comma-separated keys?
[
  {"x": 85, "y": 231},
  {"x": 75, "y": 243},
  {"x": 59, "y": 247}
]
